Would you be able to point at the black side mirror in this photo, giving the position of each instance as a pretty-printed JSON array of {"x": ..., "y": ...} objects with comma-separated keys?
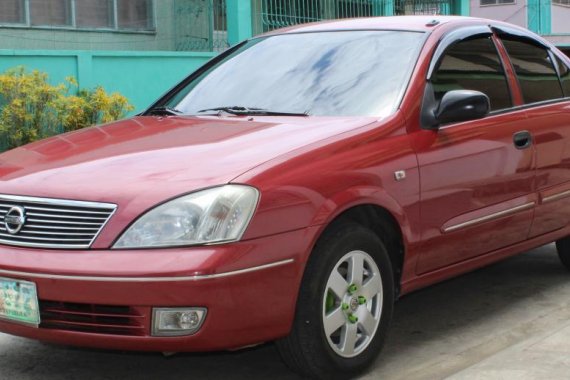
[{"x": 462, "y": 105}]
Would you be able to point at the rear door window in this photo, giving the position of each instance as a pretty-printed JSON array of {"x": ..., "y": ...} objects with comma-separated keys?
[
  {"x": 473, "y": 65},
  {"x": 535, "y": 71}
]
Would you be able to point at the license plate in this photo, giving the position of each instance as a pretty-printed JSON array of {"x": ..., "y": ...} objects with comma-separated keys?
[{"x": 19, "y": 301}]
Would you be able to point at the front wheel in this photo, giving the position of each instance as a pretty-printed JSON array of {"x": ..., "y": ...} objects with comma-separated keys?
[{"x": 344, "y": 307}]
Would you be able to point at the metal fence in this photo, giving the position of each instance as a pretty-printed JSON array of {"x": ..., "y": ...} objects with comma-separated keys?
[
  {"x": 200, "y": 25},
  {"x": 422, "y": 7},
  {"x": 275, "y": 14}
]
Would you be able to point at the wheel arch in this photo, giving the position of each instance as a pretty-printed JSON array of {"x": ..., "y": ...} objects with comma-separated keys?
[{"x": 383, "y": 223}]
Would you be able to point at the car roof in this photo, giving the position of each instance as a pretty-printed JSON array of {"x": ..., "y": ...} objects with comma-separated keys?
[
  {"x": 408, "y": 23},
  {"x": 412, "y": 23}
]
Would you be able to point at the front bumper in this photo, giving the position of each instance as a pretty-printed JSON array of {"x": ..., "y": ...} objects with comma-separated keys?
[{"x": 249, "y": 288}]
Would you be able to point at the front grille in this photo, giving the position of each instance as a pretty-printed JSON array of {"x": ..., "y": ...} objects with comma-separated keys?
[
  {"x": 53, "y": 223},
  {"x": 88, "y": 318}
]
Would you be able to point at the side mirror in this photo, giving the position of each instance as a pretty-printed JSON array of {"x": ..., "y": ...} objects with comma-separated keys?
[{"x": 462, "y": 105}]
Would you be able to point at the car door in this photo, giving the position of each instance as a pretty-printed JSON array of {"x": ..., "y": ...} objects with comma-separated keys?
[
  {"x": 477, "y": 177},
  {"x": 544, "y": 81}
]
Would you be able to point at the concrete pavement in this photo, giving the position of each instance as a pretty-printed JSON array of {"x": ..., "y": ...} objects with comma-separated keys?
[{"x": 508, "y": 321}]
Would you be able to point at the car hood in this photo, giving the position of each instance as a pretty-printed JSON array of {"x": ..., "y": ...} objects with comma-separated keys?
[{"x": 143, "y": 161}]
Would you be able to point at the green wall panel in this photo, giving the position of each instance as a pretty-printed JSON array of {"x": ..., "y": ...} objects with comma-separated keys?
[
  {"x": 143, "y": 79},
  {"x": 539, "y": 16},
  {"x": 58, "y": 67},
  {"x": 239, "y": 13},
  {"x": 141, "y": 76}
]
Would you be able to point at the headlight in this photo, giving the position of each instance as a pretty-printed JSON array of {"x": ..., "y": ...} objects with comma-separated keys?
[{"x": 216, "y": 215}]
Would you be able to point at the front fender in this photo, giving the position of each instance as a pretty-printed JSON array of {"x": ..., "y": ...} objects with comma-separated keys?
[
  {"x": 315, "y": 184},
  {"x": 364, "y": 195}
]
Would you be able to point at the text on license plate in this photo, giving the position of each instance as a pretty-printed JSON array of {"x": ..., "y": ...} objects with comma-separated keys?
[{"x": 19, "y": 301}]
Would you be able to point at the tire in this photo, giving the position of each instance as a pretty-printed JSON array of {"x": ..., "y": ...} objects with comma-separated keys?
[
  {"x": 311, "y": 351},
  {"x": 563, "y": 248}
]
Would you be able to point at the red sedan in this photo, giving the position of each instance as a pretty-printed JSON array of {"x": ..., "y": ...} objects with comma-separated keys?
[{"x": 290, "y": 190}]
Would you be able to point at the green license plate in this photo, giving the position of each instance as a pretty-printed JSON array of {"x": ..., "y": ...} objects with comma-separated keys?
[{"x": 19, "y": 301}]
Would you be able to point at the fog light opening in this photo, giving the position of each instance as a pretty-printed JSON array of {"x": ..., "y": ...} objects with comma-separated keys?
[{"x": 177, "y": 321}]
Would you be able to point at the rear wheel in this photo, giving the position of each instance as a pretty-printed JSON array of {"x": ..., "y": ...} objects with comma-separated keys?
[
  {"x": 344, "y": 306},
  {"x": 563, "y": 248}
]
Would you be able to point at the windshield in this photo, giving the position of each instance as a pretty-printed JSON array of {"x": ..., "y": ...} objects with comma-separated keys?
[{"x": 349, "y": 73}]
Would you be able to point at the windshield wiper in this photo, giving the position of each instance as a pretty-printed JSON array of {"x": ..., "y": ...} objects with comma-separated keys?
[
  {"x": 163, "y": 111},
  {"x": 250, "y": 111}
]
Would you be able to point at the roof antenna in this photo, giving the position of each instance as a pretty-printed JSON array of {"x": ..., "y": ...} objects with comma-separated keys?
[{"x": 433, "y": 22}]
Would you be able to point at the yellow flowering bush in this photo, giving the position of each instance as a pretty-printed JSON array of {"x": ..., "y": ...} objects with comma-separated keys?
[{"x": 32, "y": 109}]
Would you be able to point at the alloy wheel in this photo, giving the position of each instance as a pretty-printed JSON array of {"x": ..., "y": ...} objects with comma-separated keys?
[{"x": 352, "y": 304}]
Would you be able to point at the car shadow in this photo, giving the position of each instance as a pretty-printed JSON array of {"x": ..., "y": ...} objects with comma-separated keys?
[
  {"x": 471, "y": 309},
  {"x": 433, "y": 314}
]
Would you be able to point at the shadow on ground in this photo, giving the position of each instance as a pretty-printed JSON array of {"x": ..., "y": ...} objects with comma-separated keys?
[{"x": 432, "y": 315}]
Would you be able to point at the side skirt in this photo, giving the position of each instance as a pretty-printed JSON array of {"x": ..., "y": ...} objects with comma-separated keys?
[{"x": 474, "y": 263}]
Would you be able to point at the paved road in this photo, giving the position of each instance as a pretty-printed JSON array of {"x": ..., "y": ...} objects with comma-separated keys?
[{"x": 511, "y": 320}]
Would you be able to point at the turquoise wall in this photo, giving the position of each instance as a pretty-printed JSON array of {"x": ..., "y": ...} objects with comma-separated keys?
[
  {"x": 141, "y": 76},
  {"x": 240, "y": 22}
]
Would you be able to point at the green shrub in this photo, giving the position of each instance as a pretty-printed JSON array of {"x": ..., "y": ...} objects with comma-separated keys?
[{"x": 32, "y": 109}]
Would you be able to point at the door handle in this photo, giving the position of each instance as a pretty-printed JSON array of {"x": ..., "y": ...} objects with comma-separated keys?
[{"x": 522, "y": 139}]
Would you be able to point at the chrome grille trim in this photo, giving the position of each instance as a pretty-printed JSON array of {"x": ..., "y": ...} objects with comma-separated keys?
[
  {"x": 61, "y": 228},
  {"x": 60, "y": 222},
  {"x": 28, "y": 232},
  {"x": 66, "y": 210},
  {"x": 55, "y": 223},
  {"x": 65, "y": 216},
  {"x": 56, "y": 202}
]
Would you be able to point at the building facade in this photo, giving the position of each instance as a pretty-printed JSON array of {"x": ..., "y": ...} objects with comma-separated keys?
[
  {"x": 549, "y": 18},
  {"x": 132, "y": 25}
]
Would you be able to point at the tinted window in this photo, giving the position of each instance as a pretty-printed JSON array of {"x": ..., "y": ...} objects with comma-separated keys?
[
  {"x": 97, "y": 14},
  {"x": 326, "y": 73},
  {"x": 134, "y": 14},
  {"x": 473, "y": 65},
  {"x": 564, "y": 76},
  {"x": 536, "y": 74},
  {"x": 50, "y": 12},
  {"x": 12, "y": 11}
]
